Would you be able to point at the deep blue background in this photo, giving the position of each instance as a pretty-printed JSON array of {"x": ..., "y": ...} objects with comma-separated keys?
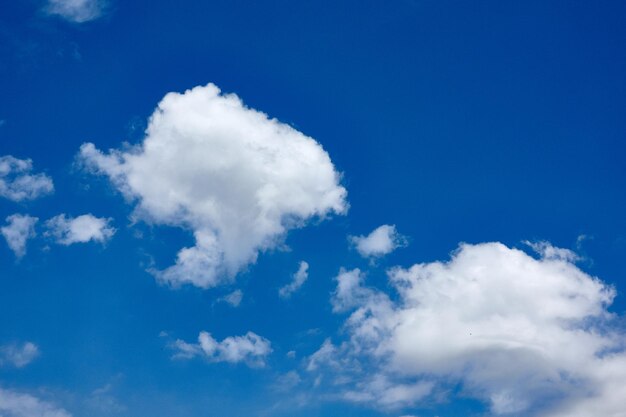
[{"x": 456, "y": 121}]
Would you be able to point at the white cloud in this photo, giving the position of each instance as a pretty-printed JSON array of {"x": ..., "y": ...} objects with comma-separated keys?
[
  {"x": 350, "y": 291},
  {"x": 249, "y": 348},
  {"x": 386, "y": 393},
  {"x": 527, "y": 336},
  {"x": 18, "y": 184},
  {"x": 382, "y": 241},
  {"x": 77, "y": 11},
  {"x": 18, "y": 354},
  {"x": 547, "y": 251},
  {"x": 324, "y": 355},
  {"x": 103, "y": 400},
  {"x": 17, "y": 404},
  {"x": 81, "y": 229},
  {"x": 297, "y": 281},
  {"x": 234, "y": 298},
  {"x": 19, "y": 228},
  {"x": 234, "y": 177},
  {"x": 287, "y": 382}
]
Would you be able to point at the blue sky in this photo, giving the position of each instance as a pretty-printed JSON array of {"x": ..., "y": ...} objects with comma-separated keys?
[{"x": 316, "y": 209}]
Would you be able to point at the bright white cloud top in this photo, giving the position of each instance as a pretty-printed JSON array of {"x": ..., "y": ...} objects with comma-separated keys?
[
  {"x": 18, "y": 404},
  {"x": 17, "y": 183},
  {"x": 381, "y": 241},
  {"x": 298, "y": 279},
  {"x": 82, "y": 229},
  {"x": 526, "y": 335},
  {"x": 18, "y": 230},
  {"x": 249, "y": 348},
  {"x": 76, "y": 11},
  {"x": 18, "y": 355},
  {"x": 234, "y": 177}
]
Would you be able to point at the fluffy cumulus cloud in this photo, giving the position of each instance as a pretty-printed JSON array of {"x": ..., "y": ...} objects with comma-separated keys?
[
  {"x": 297, "y": 281},
  {"x": 17, "y": 404},
  {"x": 228, "y": 173},
  {"x": 527, "y": 335},
  {"x": 382, "y": 241},
  {"x": 18, "y": 183},
  {"x": 250, "y": 348},
  {"x": 68, "y": 230},
  {"x": 18, "y": 354},
  {"x": 77, "y": 11},
  {"x": 18, "y": 230}
]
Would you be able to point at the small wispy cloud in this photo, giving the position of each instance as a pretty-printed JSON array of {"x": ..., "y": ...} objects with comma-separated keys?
[
  {"x": 297, "y": 281},
  {"x": 234, "y": 298},
  {"x": 18, "y": 355},
  {"x": 103, "y": 400},
  {"x": 382, "y": 241},
  {"x": 18, "y": 230},
  {"x": 250, "y": 348},
  {"x": 76, "y": 11}
]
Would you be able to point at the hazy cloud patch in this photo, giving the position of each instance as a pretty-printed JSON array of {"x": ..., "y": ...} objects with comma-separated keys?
[
  {"x": 18, "y": 183},
  {"x": 76, "y": 11},
  {"x": 18, "y": 404},
  {"x": 18, "y": 355},
  {"x": 18, "y": 230}
]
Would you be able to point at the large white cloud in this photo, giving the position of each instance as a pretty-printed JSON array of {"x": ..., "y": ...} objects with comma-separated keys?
[
  {"x": 18, "y": 404},
  {"x": 529, "y": 336},
  {"x": 249, "y": 348},
  {"x": 85, "y": 228},
  {"x": 236, "y": 178},
  {"x": 76, "y": 11},
  {"x": 19, "y": 229},
  {"x": 17, "y": 183}
]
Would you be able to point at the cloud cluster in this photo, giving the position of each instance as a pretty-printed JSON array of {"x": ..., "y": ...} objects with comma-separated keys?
[
  {"x": 297, "y": 281},
  {"x": 64, "y": 230},
  {"x": 380, "y": 242},
  {"x": 18, "y": 354},
  {"x": 17, "y": 183},
  {"x": 81, "y": 229},
  {"x": 228, "y": 173},
  {"x": 529, "y": 336},
  {"x": 17, "y": 404},
  {"x": 18, "y": 230},
  {"x": 76, "y": 11},
  {"x": 249, "y": 348}
]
